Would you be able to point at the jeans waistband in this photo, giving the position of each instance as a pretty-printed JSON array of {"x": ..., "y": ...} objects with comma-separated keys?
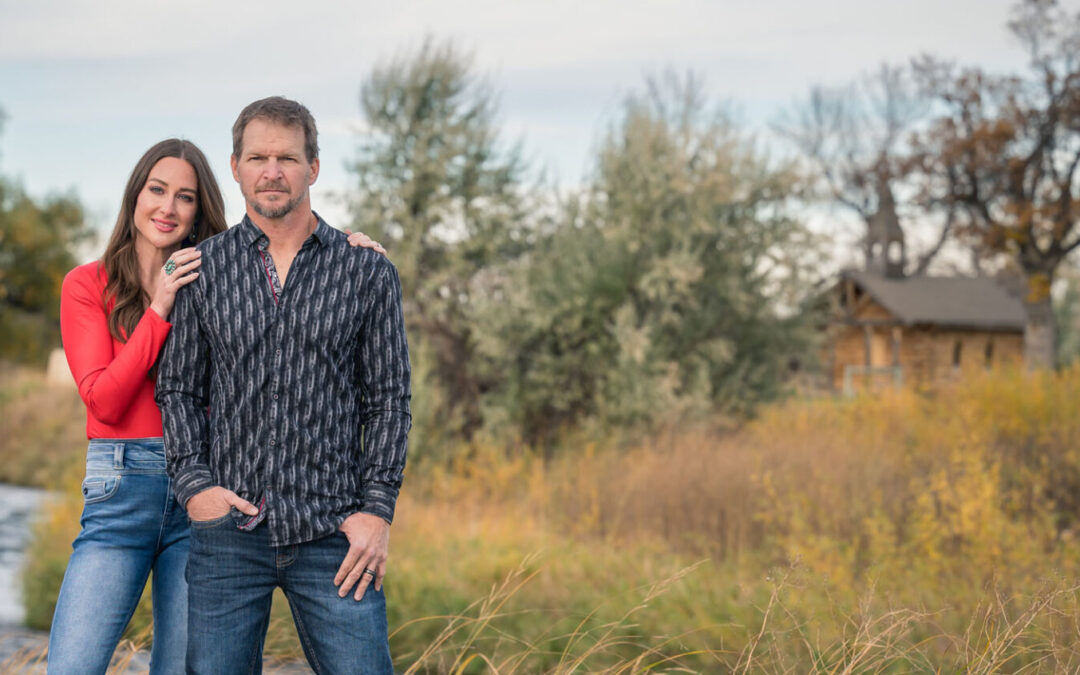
[
  {"x": 150, "y": 442},
  {"x": 127, "y": 453}
]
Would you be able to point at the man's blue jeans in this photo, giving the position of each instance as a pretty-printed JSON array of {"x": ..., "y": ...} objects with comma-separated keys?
[
  {"x": 231, "y": 577},
  {"x": 131, "y": 524}
]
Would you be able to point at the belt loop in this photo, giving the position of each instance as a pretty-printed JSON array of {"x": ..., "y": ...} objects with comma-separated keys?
[{"x": 118, "y": 456}]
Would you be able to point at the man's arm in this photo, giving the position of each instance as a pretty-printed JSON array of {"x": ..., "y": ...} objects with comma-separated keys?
[
  {"x": 385, "y": 385},
  {"x": 182, "y": 393},
  {"x": 385, "y": 415}
]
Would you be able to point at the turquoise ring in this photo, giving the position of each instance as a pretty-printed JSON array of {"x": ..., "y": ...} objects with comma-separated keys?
[{"x": 170, "y": 266}]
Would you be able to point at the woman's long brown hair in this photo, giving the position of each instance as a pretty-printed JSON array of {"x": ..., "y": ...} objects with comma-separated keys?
[{"x": 120, "y": 261}]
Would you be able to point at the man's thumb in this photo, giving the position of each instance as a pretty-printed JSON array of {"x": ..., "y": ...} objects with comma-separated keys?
[{"x": 244, "y": 506}]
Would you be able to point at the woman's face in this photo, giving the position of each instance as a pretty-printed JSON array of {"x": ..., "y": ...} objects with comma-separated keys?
[{"x": 166, "y": 207}]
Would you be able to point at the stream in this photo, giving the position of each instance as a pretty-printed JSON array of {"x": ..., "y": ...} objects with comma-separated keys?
[{"x": 18, "y": 505}]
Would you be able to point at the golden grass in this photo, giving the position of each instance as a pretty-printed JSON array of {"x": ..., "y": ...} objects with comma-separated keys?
[
  {"x": 43, "y": 424},
  {"x": 914, "y": 531}
]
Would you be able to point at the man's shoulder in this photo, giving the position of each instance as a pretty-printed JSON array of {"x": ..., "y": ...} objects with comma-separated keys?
[
  {"x": 374, "y": 265},
  {"x": 368, "y": 259},
  {"x": 229, "y": 237}
]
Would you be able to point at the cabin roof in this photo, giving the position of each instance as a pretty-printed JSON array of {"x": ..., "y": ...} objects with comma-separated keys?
[{"x": 967, "y": 302}]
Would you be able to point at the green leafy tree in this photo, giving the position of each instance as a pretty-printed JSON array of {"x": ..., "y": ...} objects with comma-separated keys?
[
  {"x": 437, "y": 187},
  {"x": 673, "y": 287},
  {"x": 36, "y": 243}
]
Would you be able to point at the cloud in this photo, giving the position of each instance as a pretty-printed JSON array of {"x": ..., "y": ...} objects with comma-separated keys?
[{"x": 87, "y": 87}]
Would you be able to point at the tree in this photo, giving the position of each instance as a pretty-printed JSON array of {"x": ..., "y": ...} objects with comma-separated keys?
[
  {"x": 36, "y": 243},
  {"x": 856, "y": 141},
  {"x": 436, "y": 186},
  {"x": 671, "y": 288},
  {"x": 1007, "y": 149}
]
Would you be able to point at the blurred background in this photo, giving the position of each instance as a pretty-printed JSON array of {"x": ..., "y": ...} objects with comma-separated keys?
[{"x": 741, "y": 333}]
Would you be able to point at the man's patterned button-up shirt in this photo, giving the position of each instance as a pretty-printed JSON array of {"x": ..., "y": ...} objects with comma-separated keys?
[{"x": 294, "y": 397}]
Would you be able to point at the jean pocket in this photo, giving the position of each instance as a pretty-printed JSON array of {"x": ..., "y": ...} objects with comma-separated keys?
[
  {"x": 99, "y": 488},
  {"x": 206, "y": 524}
]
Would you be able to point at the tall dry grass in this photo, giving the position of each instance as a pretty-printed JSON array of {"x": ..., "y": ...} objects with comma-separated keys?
[
  {"x": 931, "y": 518},
  {"x": 44, "y": 427},
  {"x": 914, "y": 531}
]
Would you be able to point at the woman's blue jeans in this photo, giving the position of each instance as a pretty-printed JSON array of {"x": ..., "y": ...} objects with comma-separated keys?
[{"x": 131, "y": 525}]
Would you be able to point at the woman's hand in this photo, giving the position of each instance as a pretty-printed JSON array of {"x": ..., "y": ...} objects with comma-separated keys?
[
  {"x": 183, "y": 264},
  {"x": 361, "y": 239}
]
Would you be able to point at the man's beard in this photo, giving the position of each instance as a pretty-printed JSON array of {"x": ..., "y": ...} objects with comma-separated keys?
[{"x": 274, "y": 212}]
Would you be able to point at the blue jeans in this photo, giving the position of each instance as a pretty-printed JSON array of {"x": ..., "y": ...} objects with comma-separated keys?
[
  {"x": 232, "y": 575},
  {"x": 131, "y": 524}
]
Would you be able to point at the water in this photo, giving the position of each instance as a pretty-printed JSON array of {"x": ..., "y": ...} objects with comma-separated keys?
[{"x": 18, "y": 505}]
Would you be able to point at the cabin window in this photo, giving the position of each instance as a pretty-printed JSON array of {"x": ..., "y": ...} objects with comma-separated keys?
[
  {"x": 957, "y": 352},
  {"x": 989, "y": 354}
]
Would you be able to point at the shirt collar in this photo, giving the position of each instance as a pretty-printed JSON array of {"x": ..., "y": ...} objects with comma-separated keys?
[
  {"x": 323, "y": 231},
  {"x": 251, "y": 232}
]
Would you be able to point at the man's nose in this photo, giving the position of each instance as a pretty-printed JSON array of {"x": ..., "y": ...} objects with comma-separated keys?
[{"x": 272, "y": 169}]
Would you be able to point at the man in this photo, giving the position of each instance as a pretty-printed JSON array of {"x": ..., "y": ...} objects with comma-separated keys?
[{"x": 284, "y": 391}]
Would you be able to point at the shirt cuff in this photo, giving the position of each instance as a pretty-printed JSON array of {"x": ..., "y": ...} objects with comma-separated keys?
[
  {"x": 192, "y": 481},
  {"x": 156, "y": 318},
  {"x": 380, "y": 500}
]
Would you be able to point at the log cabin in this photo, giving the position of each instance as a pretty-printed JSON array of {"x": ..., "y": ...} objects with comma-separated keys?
[{"x": 891, "y": 330}]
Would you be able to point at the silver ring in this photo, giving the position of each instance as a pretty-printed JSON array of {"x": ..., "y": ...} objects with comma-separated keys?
[{"x": 368, "y": 570}]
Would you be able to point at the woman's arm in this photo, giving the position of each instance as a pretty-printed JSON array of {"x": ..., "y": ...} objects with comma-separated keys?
[{"x": 106, "y": 384}]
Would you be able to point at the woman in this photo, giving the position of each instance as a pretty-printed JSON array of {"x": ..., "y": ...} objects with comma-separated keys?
[{"x": 114, "y": 321}]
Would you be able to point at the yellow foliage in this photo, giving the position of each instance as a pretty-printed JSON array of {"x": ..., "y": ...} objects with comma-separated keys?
[{"x": 941, "y": 521}]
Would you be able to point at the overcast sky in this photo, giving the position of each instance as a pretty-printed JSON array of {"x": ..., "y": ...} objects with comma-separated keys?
[{"x": 88, "y": 86}]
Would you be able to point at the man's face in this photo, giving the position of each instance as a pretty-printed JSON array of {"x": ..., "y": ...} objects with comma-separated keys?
[{"x": 272, "y": 169}]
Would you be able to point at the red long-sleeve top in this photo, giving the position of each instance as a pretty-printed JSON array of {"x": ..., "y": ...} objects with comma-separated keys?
[{"x": 112, "y": 376}]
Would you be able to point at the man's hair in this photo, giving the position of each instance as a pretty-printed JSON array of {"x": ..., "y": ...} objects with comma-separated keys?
[{"x": 279, "y": 110}]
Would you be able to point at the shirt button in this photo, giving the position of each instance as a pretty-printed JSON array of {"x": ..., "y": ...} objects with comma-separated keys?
[
  {"x": 275, "y": 397},
  {"x": 277, "y": 352},
  {"x": 272, "y": 442}
]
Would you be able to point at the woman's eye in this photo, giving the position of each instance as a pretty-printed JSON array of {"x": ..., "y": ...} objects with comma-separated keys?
[
  {"x": 187, "y": 198},
  {"x": 157, "y": 190}
]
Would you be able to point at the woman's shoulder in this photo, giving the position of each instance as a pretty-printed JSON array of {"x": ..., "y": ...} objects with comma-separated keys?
[{"x": 89, "y": 275}]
